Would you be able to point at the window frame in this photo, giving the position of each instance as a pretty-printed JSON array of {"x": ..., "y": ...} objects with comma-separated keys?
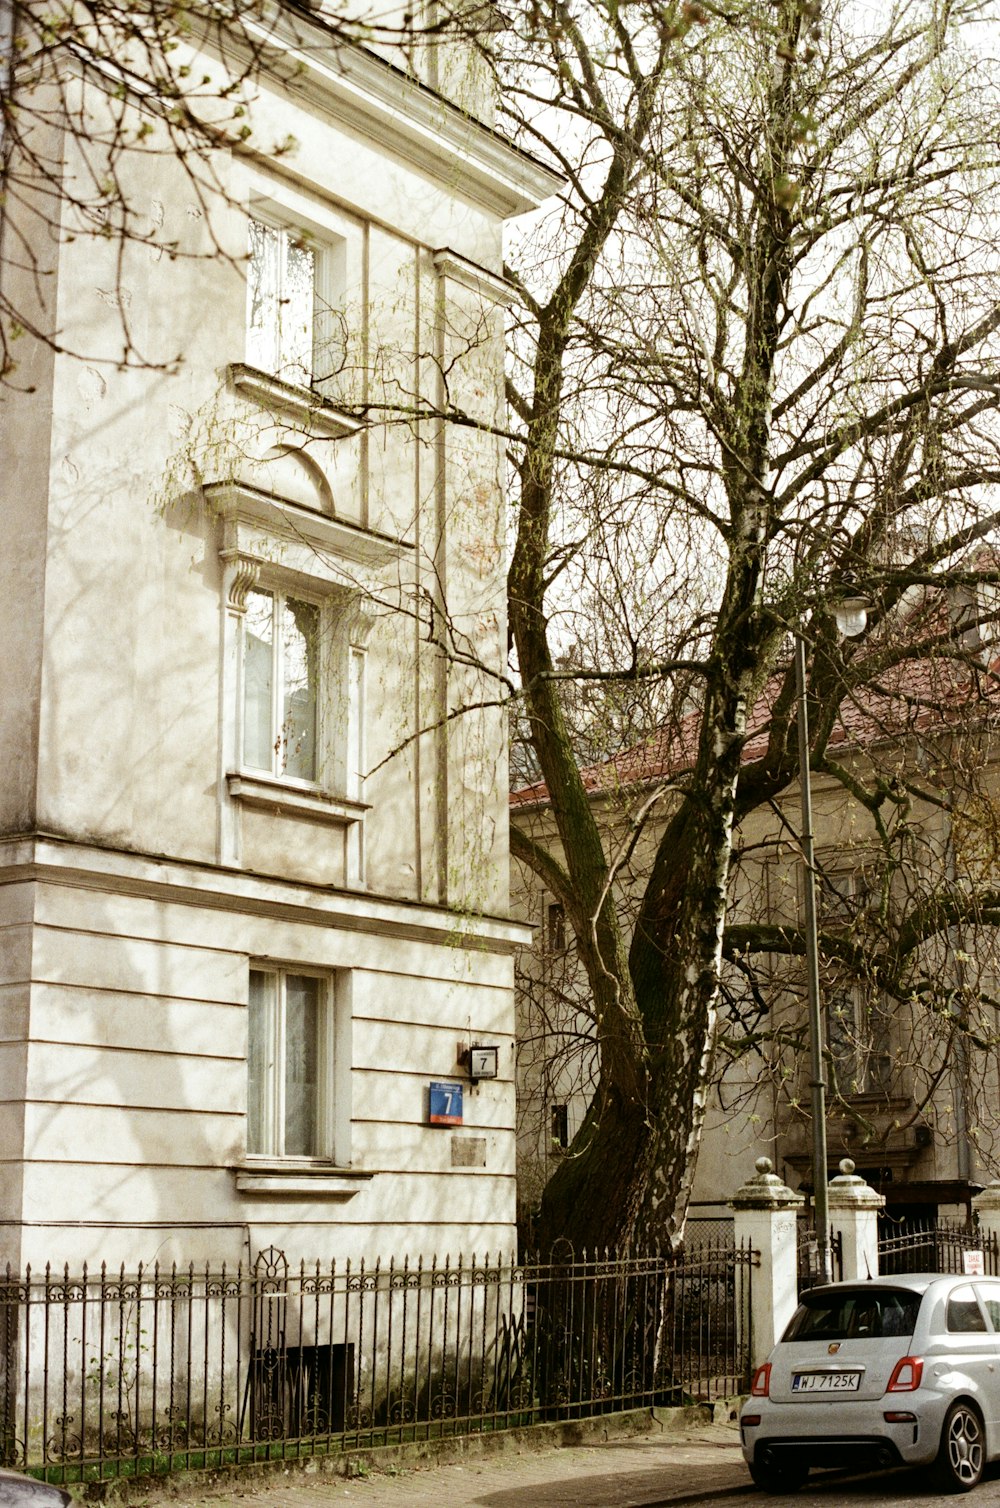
[
  {"x": 330, "y": 289},
  {"x": 341, "y": 703},
  {"x": 333, "y": 1086},
  {"x": 324, "y": 691},
  {"x": 555, "y": 927},
  {"x": 864, "y": 1026},
  {"x": 267, "y": 542}
]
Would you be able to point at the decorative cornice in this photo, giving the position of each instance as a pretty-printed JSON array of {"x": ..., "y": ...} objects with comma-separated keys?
[
  {"x": 332, "y": 537},
  {"x": 403, "y": 115}
]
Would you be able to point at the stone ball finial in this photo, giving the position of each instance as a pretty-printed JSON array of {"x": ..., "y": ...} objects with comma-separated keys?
[
  {"x": 764, "y": 1191},
  {"x": 849, "y": 1191}
]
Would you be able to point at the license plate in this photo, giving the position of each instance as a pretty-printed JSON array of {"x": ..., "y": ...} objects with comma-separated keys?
[{"x": 826, "y": 1382}]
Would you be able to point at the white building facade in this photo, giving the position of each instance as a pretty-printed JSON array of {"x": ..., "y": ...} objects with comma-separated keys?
[{"x": 253, "y": 863}]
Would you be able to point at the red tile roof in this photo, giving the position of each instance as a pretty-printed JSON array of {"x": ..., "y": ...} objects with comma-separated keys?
[{"x": 915, "y": 695}]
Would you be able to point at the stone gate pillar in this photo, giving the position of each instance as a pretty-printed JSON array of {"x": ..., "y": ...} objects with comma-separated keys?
[
  {"x": 987, "y": 1207},
  {"x": 766, "y": 1213},
  {"x": 854, "y": 1207}
]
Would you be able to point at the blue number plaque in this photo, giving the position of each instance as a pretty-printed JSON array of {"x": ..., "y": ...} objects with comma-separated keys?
[{"x": 445, "y": 1104}]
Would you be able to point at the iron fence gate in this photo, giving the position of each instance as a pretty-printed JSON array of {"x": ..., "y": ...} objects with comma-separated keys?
[
  {"x": 807, "y": 1256},
  {"x": 108, "y": 1374},
  {"x": 933, "y": 1246}
]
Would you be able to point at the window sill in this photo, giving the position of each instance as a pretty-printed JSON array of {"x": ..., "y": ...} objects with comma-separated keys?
[
  {"x": 295, "y": 1177},
  {"x": 876, "y": 1099},
  {"x": 295, "y": 801},
  {"x": 300, "y": 403}
]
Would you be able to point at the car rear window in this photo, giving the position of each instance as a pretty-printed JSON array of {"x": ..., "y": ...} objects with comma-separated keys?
[
  {"x": 964, "y": 1313},
  {"x": 854, "y": 1313}
]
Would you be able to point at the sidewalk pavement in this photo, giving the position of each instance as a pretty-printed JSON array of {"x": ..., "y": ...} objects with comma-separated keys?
[{"x": 693, "y": 1464}]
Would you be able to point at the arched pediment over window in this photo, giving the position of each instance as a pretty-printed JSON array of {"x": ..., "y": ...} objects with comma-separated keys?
[
  {"x": 289, "y": 472},
  {"x": 296, "y": 447}
]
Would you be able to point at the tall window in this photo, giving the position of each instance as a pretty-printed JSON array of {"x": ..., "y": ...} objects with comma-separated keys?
[
  {"x": 280, "y": 678},
  {"x": 858, "y": 1038},
  {"x": 281, "y": 284},
  {"x": 858, "y": 1017},
  {"x": 290, "y": 1065}
]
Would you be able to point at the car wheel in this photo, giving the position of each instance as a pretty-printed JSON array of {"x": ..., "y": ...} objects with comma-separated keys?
[
  {"x": 961, "y": 1456},
  {"x": 775, "y": 1478}
]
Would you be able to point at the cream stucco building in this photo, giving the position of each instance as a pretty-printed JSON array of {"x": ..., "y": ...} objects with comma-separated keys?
[
  {"x": 913, "y": 1076},
  {"x": 253, "y": 877}
]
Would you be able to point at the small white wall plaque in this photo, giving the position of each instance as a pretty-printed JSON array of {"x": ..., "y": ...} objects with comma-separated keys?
[{"x": 484, "y": 1062}]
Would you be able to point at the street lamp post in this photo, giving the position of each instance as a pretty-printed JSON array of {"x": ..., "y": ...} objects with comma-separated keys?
[
  {"x": 817, "y": 1080},
  {"x": 851, "y": 616}
]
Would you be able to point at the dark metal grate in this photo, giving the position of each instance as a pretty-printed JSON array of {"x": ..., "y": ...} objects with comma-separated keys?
[
  {"x": 807, "y": 1254},
  {"x": 933, "y": 1246}
]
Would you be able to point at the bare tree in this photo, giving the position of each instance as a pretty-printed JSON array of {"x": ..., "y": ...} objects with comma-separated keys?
[{"x": 756, "y": 364}]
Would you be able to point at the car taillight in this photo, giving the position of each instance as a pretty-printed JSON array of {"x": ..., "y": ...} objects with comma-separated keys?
[
  {"x": 906, "y": 1375},
  {"x": 761, "y": 1381}
]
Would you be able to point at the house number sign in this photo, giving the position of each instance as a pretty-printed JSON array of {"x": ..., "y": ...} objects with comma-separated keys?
[
  {"x": 483, "y": 1062},
  {"x": 444, "y": 1104}
]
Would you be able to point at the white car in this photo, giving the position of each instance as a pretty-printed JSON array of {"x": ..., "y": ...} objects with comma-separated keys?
[
  {"x": 901, "y": 1371},
  {"x": 19, "y": 1491}
]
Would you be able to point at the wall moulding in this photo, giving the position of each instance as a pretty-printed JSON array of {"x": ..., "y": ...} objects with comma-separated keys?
[
  {"x": 43, "y": 859},
  {"x": 496, "y": 290}
]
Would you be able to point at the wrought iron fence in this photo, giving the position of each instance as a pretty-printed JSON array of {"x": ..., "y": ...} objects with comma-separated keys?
[
  {"x": 807, "y": 1254},
  {"x": 934, "y": 1246},
  {"x": 106, "y": 1374}
]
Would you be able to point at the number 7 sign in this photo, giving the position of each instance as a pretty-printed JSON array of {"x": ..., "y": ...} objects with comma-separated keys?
[{"x": 444, "y": 1104}]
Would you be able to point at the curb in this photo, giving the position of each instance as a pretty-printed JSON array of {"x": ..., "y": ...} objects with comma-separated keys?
[{"x": 354, "y": 1462}]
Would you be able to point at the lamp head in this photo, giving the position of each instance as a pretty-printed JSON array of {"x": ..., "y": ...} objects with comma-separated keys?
[{"x": 851, "y": 615}]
